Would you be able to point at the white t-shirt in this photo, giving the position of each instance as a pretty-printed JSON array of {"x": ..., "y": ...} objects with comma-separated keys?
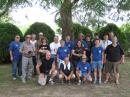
[
  {"x": 34, "y": 45},
  {"x": 54, "y": 47},
  {"x": 105, "y": 43}
]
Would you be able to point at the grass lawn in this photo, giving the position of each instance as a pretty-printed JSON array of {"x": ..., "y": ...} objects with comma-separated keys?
[{"x": 9, "y": 88}]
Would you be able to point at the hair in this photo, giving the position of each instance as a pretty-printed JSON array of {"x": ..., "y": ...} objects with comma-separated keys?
[{"x": 43, "y": 39}]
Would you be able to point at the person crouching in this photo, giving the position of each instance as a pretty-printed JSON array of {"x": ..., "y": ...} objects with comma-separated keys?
[
  {"x": 46, "y": 69},
  {"x": 66, "y": 71},
  {"x": 83, "y": 71}
]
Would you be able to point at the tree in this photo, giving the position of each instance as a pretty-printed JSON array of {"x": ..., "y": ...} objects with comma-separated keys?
[{"x": 92, "y": 9}]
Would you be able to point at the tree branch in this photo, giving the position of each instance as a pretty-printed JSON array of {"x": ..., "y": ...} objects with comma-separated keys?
[{"x": 5, "y": 10}]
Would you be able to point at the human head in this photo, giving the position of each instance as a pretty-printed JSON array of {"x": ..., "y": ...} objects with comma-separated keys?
[
  {"x": 67, "y": 38},
  {"x": 96, "y": 35},
  {"x": 17, "y": 38},
  {"x": 48, "y": 55},
  {"x": 79, "y": 44},
  {"x": 66, "y": 60},
  {"x": 88, "y": 37},
  {"x": 114, "y": 40},
  {"x": 62, "y": 42},
  {"x": 44, "y": 40},
  {"x": 97, "y": 42},
  {"x": 28, "y": 38},
  {"x": 81, "y": 36},
  {"x": 111, "y": 35},
  {"x": 40, "y": 35},
  {"x": 33, "y": 36},
  {"x": 105, "y": 37},
  {"x": 56, "y": 39},
  {"x": 84, "y": 58}
]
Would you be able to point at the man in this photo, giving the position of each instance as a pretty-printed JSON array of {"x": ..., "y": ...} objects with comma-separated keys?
[
  {"x": 15, "y": 57},
  {"x": 114, "y": 56},
  {"x": 104, "y": 44},
  {"x": 105, "y": 41},
  {"x": 27, "y": 51},
  {"x": 97, "y": 60},
  {"x": 69, "y": 43},
  {"x": 83, "y": 70},
  {"x": 33, "y": 41},
  {"x": 66, "y": 70},
  {"x": 62, "y": 52},
  {"x": 54, "y": 47},
  {"x": 46, "y": 69}
]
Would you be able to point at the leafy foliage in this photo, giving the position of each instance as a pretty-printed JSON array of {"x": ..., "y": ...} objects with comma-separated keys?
[
  {"x": 41, "y": 27},
  {"x": 77, "y": 28},
  {"x": 7, "y": 34}
]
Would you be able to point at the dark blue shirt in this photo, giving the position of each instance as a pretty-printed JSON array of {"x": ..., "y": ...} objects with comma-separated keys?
[
  {"x": 14, "y": 47},
  {"x": 97, "y": 53},
  {"x": 84, "y": 67},
  {"x": 63, "y": 52},
  {"x": 70, "y": 45}
]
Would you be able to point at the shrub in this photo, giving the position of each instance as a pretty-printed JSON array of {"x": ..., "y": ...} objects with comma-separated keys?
[
  {"x": 77, "y": 28},
  {"x": 7, "y": 34},
  {"x": 113, "y": 28},
  {"x": 41, "y": 27}
]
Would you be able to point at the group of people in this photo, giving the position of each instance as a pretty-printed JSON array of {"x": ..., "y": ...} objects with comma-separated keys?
[{"x": 84, "y": 59}]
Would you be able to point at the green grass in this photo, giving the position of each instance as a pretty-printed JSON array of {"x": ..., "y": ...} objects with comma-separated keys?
[{"x": 9, "y": 88}]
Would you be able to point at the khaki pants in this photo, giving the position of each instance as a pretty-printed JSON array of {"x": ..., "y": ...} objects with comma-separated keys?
[{"x": 27, "y": 67}]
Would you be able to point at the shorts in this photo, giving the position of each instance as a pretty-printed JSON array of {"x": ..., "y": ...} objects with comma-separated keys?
[
  {"x": 97, "y": 65},
  {"x": 112, "y": 66},
  {"x": 88, "y": 77},
  {"x": 59, "y": 63}
]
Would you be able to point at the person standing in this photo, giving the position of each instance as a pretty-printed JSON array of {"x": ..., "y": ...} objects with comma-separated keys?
[
  {"x": 54, "y": 47},
  {"x": 15, "y": 57},
  {"x": 114, "y": 55},
  {"x": 33, "y": 41},
  {"x": 27, "y": 51},
  {"x": 97, "y": 60}
]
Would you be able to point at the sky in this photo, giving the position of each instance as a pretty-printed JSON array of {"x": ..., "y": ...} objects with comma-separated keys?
[{"x": 29, "y": 15}]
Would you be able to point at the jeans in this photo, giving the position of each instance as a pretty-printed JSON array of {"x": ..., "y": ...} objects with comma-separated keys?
[{"x": 16, "y": 64}]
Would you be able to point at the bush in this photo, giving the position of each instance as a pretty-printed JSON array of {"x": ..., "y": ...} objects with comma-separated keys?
[
  {"x": 77, "y": 28},
  {"x": 7, "y": 34},
  {"x": 41, "y": 27},
  {"x": 113, "y": 28}
]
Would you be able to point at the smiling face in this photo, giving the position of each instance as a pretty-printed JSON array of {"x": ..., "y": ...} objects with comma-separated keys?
[
  {"x": 48, "y": 55},
  {"x": 79, "y": 44}
]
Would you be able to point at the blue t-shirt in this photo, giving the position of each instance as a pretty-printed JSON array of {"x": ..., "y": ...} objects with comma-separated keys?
[
  {"x": 14, "y": 47},
  {"x": 70, "y": 45},
  {"x": 97, "y": 53},
  {"x": 84, "y": 68},
  {"x": 63, "y": 52}
]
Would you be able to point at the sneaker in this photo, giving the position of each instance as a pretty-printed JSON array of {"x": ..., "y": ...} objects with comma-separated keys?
[
  {"x": 62, "y": 82},
  {"x": 69, "y": 82},
  {"x": 79, "y": 82},
  {"x": 117, "y": 82},
  {"x": 95, "y": 81},
  {"x": 105, "y": 82},
  {"x": 51, "y": 82},
  {"x": 100, "y": 82},
  {"x": 14, "y": 78},
  {"x": 23, "y": 81}
]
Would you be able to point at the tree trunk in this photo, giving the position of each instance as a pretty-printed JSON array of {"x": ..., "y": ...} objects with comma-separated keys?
[{"x": 66, "y": 18}]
